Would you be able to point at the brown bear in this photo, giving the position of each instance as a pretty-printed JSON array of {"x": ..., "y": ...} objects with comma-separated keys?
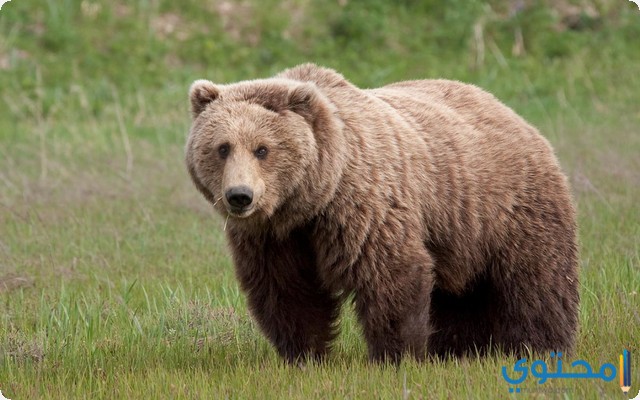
[{"x": 443, "y": 213}]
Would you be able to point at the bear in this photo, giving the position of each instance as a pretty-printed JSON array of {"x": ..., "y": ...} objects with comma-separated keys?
[{"x": 442, "y": 215}]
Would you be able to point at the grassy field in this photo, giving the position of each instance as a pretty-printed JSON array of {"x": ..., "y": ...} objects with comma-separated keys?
[{"x": 115, "y": 279}]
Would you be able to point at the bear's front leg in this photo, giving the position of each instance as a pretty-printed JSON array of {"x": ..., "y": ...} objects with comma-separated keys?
[
  {"x": 284, "y": 295},
  {"x": 393, "y": 302}
]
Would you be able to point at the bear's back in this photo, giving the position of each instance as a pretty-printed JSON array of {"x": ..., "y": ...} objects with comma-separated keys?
[{"x": 465, "y": 103}]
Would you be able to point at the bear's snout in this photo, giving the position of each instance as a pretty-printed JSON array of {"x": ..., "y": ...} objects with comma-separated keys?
[{"x": 239, "y": 197}]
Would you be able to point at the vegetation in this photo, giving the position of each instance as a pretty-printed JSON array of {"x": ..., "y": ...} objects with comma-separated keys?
[{"x": 115, "y": 281}]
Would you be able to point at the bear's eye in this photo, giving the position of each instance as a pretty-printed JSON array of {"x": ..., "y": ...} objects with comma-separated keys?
[
  {"x": 223, "y": 150},
  {"x": 261, "y": 152}
]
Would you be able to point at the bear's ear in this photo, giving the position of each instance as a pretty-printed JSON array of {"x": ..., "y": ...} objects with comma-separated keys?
[
  {"x": 202, "y": 93},
  {"x": 304, "y": 100}
]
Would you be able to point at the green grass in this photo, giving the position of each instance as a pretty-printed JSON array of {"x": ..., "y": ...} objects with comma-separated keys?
[{"x": 115, "y": 279}]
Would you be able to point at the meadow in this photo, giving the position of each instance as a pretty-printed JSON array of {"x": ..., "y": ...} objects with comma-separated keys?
[{"x": 115, "y": 278}]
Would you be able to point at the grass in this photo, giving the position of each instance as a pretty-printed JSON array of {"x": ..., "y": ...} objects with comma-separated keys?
[{"x": 115, "y": 280}]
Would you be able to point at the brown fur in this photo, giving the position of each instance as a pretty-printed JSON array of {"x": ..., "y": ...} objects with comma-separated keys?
[{"x": 441, "y": 210}]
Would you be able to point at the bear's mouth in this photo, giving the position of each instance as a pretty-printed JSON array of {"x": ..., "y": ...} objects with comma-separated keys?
[{"x": 242, "y": 212}]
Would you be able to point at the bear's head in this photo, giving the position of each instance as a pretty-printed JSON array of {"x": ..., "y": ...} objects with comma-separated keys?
[{"x": 255, "y": 147}]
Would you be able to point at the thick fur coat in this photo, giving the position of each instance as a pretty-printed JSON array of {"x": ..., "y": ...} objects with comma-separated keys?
[{"x": 444, "y": 213}]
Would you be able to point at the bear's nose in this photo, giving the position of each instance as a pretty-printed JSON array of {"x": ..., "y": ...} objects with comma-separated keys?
[{"x": 239, "y": 196}]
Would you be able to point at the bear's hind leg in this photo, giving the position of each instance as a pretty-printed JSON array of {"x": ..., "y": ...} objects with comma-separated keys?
[
  {"x": 460, "y": 323},
  {"x": 516, "y": 310},
  {"x": 538, "y": 310},
  {"x": 536, "y": 282}
]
